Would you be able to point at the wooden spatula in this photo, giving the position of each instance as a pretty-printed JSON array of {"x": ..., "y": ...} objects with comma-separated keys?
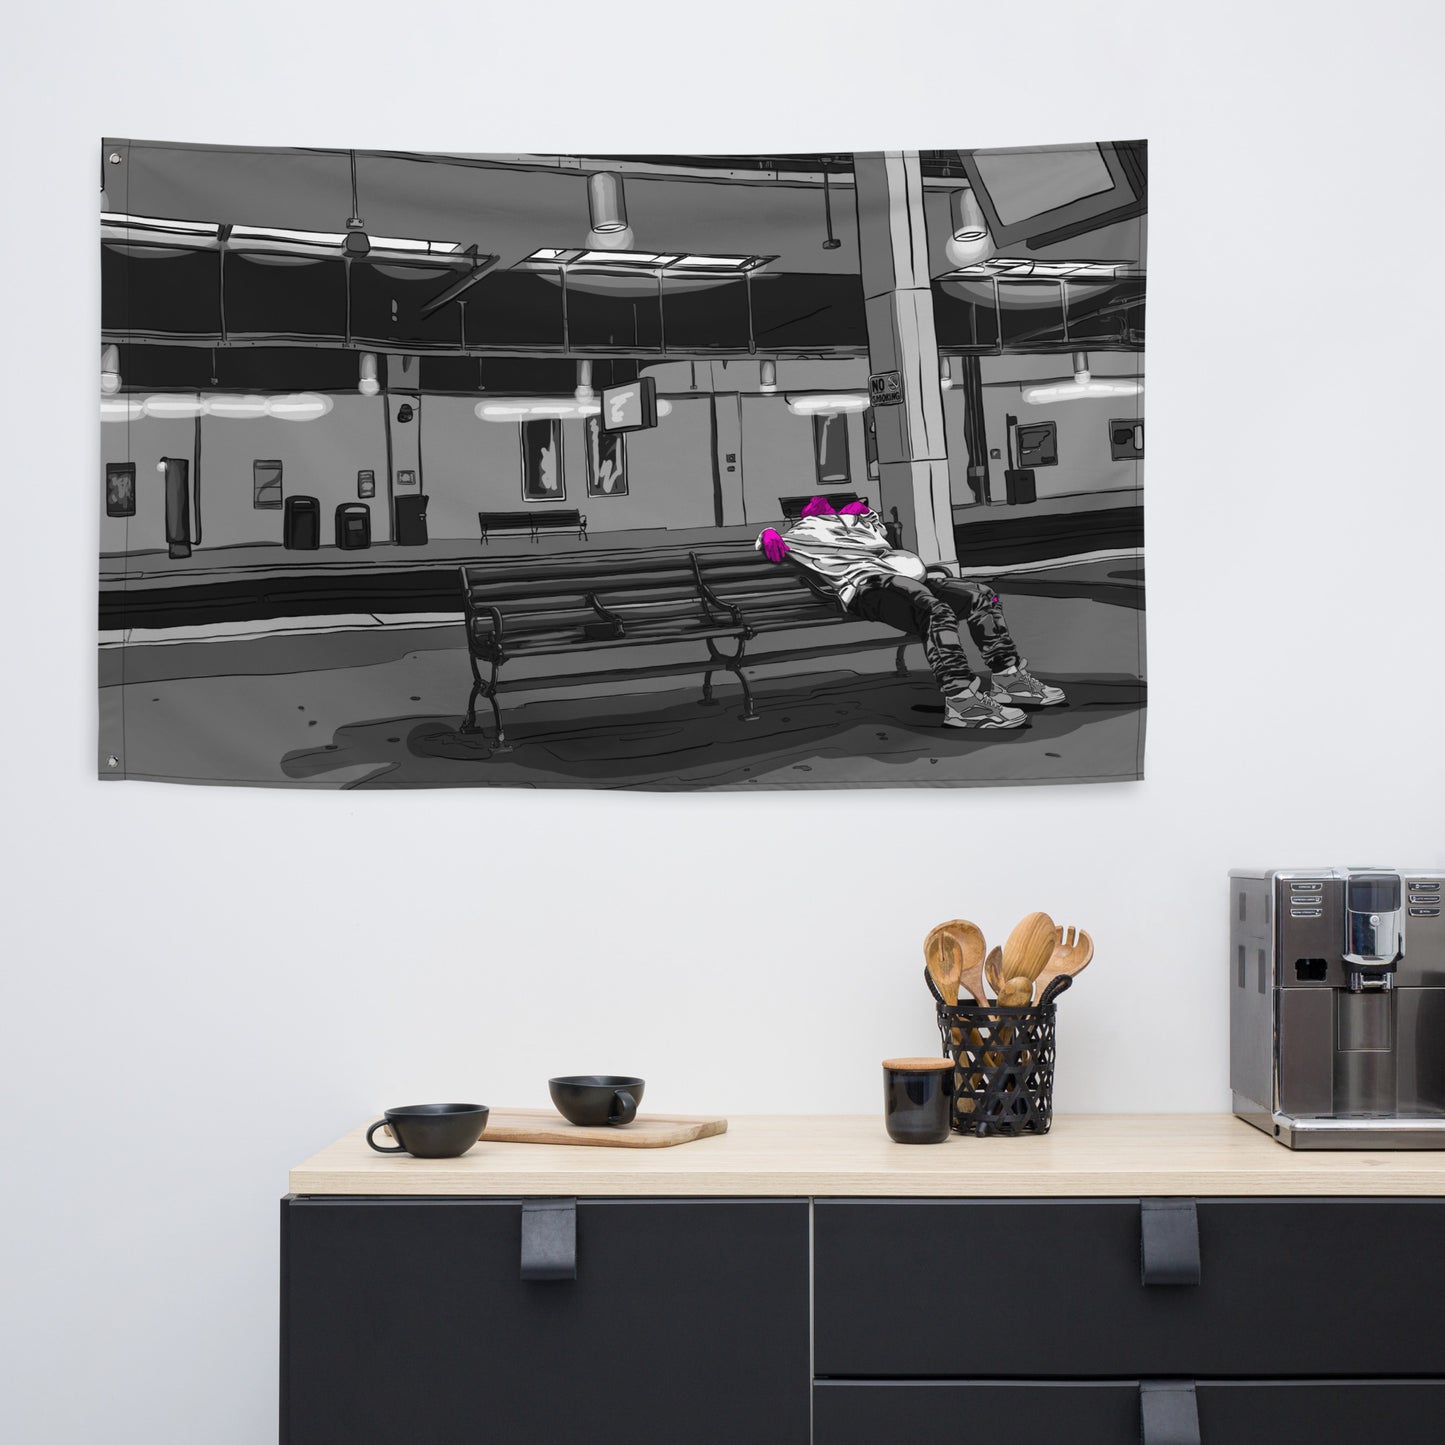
[
  {"x": 1073, "y": 948},
  {"x": 971, "y": 949},
  {"x": 993, "y": 969},
  {"x": 944, "y": 958},
  {"x": 1026, "y": 953}
]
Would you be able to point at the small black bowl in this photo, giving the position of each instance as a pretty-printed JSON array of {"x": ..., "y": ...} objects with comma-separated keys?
[
  {"x": 431, "y": 1131},
  {"x": 593, "y": 1099}
]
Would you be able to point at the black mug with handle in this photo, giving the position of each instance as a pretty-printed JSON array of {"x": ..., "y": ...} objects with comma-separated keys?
[
  {"x": 596, "y": 1099},
  {"x": 431, "y": 1131}
]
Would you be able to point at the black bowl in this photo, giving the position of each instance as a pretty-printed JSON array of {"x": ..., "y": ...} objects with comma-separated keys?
[
  {"x": 432, "y": 1131},
  {"x": 594, "y": 1099}
]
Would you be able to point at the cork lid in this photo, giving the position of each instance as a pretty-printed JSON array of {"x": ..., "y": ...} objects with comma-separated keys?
[{"x": 917, "y": 1066}]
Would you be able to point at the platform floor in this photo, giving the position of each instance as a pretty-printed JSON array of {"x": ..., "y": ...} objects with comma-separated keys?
[{"x": 379, "y": 704}]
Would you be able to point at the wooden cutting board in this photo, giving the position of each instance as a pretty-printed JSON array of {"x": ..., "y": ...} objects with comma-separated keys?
[{"x": 647, "y": 1131}]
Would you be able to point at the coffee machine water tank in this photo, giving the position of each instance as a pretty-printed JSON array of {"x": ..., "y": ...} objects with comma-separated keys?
[{"x": 1374, "y": 928}]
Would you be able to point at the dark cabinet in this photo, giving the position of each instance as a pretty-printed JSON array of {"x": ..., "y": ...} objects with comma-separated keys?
[
  {"x": 861, "y": 1322},
  {"x": 1229, "y": 1412},
  {"x": 409, "y": 1321},
  {"x": 1286, "y": 1287}
]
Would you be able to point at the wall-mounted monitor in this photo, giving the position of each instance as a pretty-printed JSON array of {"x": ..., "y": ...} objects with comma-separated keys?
[
  {"x": 631, "y": 406},
  {"x": 1044, "y": 195}
]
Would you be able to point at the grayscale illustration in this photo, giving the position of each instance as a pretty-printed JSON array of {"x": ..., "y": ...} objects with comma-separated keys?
[{"x": 650, "y": 472}]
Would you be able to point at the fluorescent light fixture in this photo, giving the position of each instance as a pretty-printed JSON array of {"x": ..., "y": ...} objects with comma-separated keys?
[
  {"x": 1084, "y": 384},
  {"x": 117, "y": 226},
  {"x": 711, "y": 263},
  {"x": 1096, "y": 386},
  {"x": 109, "y": 370},
  {"x": 237, "y": 408},
  {"x": 627, "y": 259},
  {"x": 768, "y": 377},
  {"x": 302, "y": 406},
  {"x": 621, "y": 258},
  {"x": 122, "y": 408},
  {"x": 522, "y": 408},
  {"x": 945, "y": 372},
  {"x": 174, "y": 406},
  {"x": 819, "y": 402},
  {"x": 273, "y": 235},
  {"x": 564, "y": 408}
]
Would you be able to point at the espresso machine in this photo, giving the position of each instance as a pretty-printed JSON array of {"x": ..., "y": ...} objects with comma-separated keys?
[{"x": 1337, "y": 1006}]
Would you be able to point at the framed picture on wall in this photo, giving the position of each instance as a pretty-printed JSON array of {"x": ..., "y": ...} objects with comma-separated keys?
[
  {"x": 606, "y": 461},
  {"x": 542, "y": 479},
  {"x": 120, "y": 489}
]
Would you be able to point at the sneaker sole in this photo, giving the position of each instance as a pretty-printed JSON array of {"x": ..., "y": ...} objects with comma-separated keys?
[{"x": 950, "y": 722}]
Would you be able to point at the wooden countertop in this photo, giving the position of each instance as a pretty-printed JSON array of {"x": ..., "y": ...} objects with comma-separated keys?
[{"x": 850, "y": 1155}]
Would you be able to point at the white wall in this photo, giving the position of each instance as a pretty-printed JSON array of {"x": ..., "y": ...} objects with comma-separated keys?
[{"x": 192, "y": 1005}]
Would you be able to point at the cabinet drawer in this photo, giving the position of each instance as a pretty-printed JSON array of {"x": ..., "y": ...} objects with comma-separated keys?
[
  {"x": 1231, "y": 1412},
  {"x": 407, "y": 1321},
  {"x": 1030, "y": 1288}
]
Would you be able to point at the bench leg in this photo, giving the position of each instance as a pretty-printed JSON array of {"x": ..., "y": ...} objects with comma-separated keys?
[
  {"x": 902, "y": 663},
  {"x": 734, "y": 665},
  {"x": 469, "y": 723},
  {"x": 707, "y": 699}
]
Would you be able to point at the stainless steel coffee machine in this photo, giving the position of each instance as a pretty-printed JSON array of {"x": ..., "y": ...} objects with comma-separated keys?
[{"x": 1337, "y": 1006}]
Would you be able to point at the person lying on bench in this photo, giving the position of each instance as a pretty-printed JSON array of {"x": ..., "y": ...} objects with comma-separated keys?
[{"x": 852, "y": 555}]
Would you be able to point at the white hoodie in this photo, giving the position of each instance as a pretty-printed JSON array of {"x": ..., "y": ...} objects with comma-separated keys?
[{"x": 844, "y": 550}]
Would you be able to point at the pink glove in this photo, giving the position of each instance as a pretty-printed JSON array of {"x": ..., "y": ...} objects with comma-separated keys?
[
  {"x": 855, "y": 509},
  {"x": 819, "y": 507},
  {"x": 774, "y": 548}
]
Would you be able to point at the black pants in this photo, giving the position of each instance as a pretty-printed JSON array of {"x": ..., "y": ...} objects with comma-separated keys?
[{"x": 932, "y": 610}]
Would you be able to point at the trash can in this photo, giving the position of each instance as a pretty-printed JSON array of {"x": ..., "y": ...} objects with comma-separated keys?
[
  {"x": 301, "y": 524},
  {"x": 353, "y": 526}
]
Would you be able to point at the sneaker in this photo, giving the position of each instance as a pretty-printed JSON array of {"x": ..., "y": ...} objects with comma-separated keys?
[
  {"x": 976, "y": 709},
  {"x": 1025, "y": 689}
]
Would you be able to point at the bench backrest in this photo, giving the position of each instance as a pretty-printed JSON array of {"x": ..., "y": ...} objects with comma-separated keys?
[
  {"x": 792, "y": 507},
  {"x": 542, "y": 594},
  {"x": 554, "y": 517},
  {"x": 767, "y": 593}
]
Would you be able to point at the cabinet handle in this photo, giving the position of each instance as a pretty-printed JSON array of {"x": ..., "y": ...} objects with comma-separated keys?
[
  {"x": 1169, "y": 1412},
  {"x": 549, "y": 1239},
  {"x": 1169, "y": 1242}
]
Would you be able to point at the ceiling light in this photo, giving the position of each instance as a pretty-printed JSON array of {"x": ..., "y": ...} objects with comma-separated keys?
[
  {"x": 368, "y": 385},
  {"x": 122, "y": 408},
  {"x": 945, "y": 372},
  {"x": 522, "y": 408},
  {"x": 301, "y": 406},
  {"x": 584, "y": 381},
  {"x": 109, "y": 370},
  {"x": 768, "y": 377},
  {"x": 969, "y": 242},
  {"x": 607, "y": 207},
  {"x": 237, "y": 408},
  {"x": 821, "y": 402},
  {"x": 168, "y": 407},
  {"x": 1084, "y": 384}
]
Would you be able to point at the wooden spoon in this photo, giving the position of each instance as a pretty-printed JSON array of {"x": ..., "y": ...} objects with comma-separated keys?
[
  {"x": 993, "y": 969},
  {"x": 1017, "y": 992},
  {"x": 942, "y": 954},
  {"x": 971, "y": 948},
  {"x": 1073, "y": 948},
  {"x": 1028, "y": 949}
]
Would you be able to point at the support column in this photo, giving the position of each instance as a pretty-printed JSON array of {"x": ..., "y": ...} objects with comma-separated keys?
[
  {"x": 912, "y": 449},
  {"x": 975, "y": 435}
]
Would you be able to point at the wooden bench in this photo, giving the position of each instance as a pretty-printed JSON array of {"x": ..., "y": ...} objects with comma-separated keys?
[
  {"x": 563, "y": 604},
  {"x": 534, "y": 523},
  {"x": 722, "y": 597}
]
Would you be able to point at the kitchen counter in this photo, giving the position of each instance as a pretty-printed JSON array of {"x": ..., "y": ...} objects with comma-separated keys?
[{"x": 1085, "y": 1156}]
